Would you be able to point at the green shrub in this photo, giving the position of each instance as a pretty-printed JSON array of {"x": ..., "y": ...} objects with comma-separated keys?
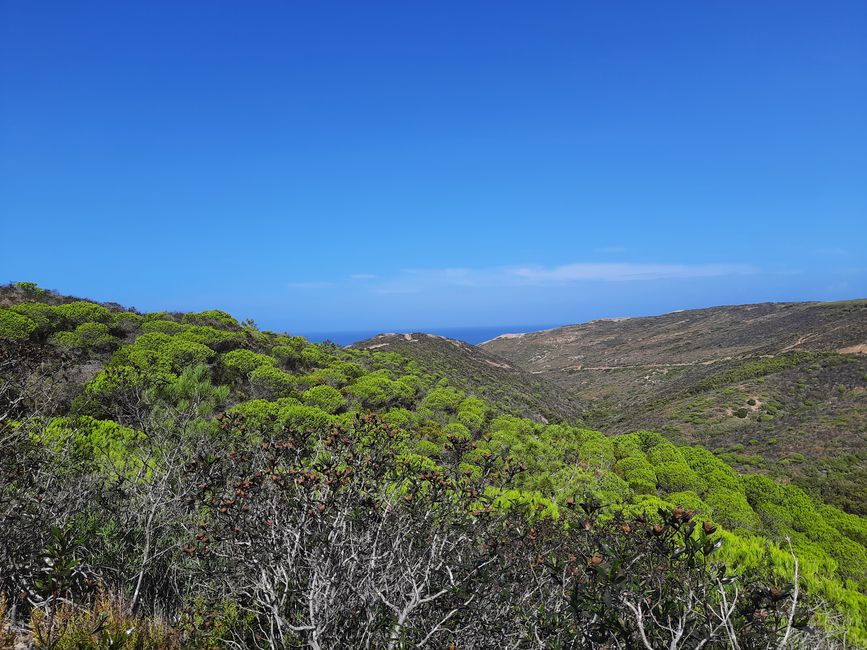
[
  {"x": 216, "y": 339},
  {"x": 304, "y": 418},
  {"x": 664, "y": 453},
  {"x": 270, "y": 381},
  {"x": 400, "y": 418},
  {"x": 240, "y": 363},
  {"x": 211, "y": 318},
  {"x": 326, "y": 398},
  {"x": 731, "y": 509},
  {"x": 312, "y": 356},
  {"x": 87, "y": 336},
  {"x": 289, "y": 351},
  {"x": 169, "y": 327},
  {"x": 15, "y": 326},
  {"x": 45, "y": 316},
  {"x": 372, "y": 391},
  {"x": 677, "y": 477},
  {"x": 74, "y": 314},
  {"x": 638, "y": 473},
  {"x": 445, "y": 399}
]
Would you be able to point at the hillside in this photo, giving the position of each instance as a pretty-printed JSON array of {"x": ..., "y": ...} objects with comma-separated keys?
[
  {"x": 776, "y": 387},
  {"x": 201, "y": 483},
  {"x": 482, "y": 373}
]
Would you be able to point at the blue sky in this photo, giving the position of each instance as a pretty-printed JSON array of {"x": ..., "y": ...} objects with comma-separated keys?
[{"x": 412, "y": 165}]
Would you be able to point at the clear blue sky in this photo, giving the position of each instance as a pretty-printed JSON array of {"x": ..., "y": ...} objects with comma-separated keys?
[{"x": 411, "y": 165}]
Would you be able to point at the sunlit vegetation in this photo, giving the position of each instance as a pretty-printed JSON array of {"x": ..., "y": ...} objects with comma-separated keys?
[{"x": 204, "y": 484}]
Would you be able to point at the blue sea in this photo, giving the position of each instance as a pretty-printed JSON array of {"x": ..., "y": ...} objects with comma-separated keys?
[{"x": 472, "y": 335}]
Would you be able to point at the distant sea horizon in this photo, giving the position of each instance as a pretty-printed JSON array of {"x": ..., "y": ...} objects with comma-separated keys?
[{"x": 473, "y": 335}]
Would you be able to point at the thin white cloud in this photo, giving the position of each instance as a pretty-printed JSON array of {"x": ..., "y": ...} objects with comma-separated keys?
[
  {"x": 311, "y": 285},
  {"x": 418, "y": 280},
  {"x": 414, "y": 280},
  {"x": 834, "y": 251},
  {"x": 625, "y": 272}
]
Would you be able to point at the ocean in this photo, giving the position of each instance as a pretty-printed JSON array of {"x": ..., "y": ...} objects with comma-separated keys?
[{"x": 472, "y": 335}]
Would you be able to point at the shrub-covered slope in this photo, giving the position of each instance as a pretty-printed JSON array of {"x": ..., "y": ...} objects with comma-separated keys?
[
  {"x": 484, "y": 374},
  {"x": 235, "y": 482},
  {"x": 778, "y": 387}
]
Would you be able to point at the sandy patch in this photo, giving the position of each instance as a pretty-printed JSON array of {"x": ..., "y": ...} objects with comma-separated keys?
[{"x": 861, "y": 348}]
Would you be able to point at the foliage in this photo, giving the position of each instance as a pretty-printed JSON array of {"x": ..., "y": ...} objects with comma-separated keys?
[
  {"x": 15, "y": 326},
  {"x": 240, "y": 363},
  {"x": 231, "y": 479},
  {"x": 325, "y": 398}
]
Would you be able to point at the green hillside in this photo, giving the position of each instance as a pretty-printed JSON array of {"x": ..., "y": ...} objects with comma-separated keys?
[{"x": 210, "y": 476}]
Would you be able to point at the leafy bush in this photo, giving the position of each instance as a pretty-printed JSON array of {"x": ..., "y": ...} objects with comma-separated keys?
[
  {"x": 87, "y": 336},
  {"x": 677, "y": 477},
  {"x": 240, "y": 363},
  {"x": 269, "y": 381},
  {"x": 15, "y": 326},
  {"x": 76, "y": 313},
  {"x": 445, "y": 399},
  {"x": 211, "y": 318},
  {"x": 325, "y": 398}
]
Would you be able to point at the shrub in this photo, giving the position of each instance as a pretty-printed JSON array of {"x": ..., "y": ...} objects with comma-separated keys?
[
  {"x": 87, "y": 336},
  {"x": 400, "y": 418},
  {"x": 638, "y": 473},
  {"x": 289, "y": 351},
  {"x": 677, "y": 477},
  {"x": 74, "y": 314},
  {"x": 45, "y": 317},
  {"x": 664, "y": 453},
  {"x": 169, "y": 327},
  {"x": 313, "y": 356},
  {"x": 216, "y": 339},
  {"x": 372, "y": 391},
  {"x": 445, "y": 399},
  {"x": 731, "y": 509},
  {"x": 303, "y": 418},
  {"x": 15, "y": 326},
  {"x": 326, "y": 398},
  {"x": 211, "y": 318},
  {"x": 272, "y": 382},
  {"x": 240, "y": 363}
]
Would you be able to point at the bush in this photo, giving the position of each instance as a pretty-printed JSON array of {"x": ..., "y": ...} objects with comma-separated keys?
[
  {"x": 87, "y": 336},
  {"x": 74, "y": 314},
  {"x": 45, "y": 316},
  {"x": 216, "y": 339},
  {"x": 269, "y": 381},
  {"x": 304, "y": 418},
  {"x": 326, "y": 398},
  {"x": 240, "y": 363},
  {"x": 677, "y": 477},
  {"x": 169, "y": 327},
  {"x": 212, "y": 318},
  {"x": 445, "y": 399},
  {"x": 373, "y": 391},
  {"x": 15, "y": 326},
  {"x": 289, "y": 351}
]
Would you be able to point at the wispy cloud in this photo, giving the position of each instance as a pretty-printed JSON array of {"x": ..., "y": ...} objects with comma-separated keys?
[
  {"x": 417, "y": 280},
  {"x": 414, "y": 280},
  {"x": 622, "y": 272},
  {"x": 834, "y": 251},
  {"x": 311, "y": 285}
]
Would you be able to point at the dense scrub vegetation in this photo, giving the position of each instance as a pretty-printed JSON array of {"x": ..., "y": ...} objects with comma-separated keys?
[{"x": 206, "y": 484}]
